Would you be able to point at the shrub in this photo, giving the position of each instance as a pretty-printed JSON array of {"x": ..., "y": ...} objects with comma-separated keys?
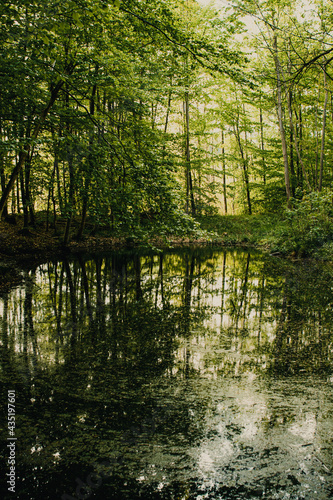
[{"x": 309, "y": 225}]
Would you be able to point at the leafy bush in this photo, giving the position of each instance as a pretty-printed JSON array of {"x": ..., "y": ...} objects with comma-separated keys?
[
  {"x": 325, "y": 252},
  {"x": 309, "y": 225}
]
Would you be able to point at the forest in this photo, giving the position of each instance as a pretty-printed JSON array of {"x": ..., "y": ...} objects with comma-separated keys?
[
  {"x": 140, "y": 117},
  {"x": 166, "y": 249}
]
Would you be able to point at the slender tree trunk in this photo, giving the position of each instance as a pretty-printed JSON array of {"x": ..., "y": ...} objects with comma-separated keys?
[
  {"x": 187, "y": 153},
  {"x": 246, "y": 168},
  {"x": 2, "y": 170},
  {"x": 291, "y": 146},
  {"x": 161, "y": 278},
  {"x": 317, "y": 144},
  {"x": 262, "y": 146},
  {"x": 30, "y": 207},
  {"x": 3, "y": 187},
  {"x": 322, "y": 148},
  {"x": 18, "y": 195},
  {"x": 224, "y": 176},
  {"x": 199, "y": 199},
  {"x": 189, "y": 183},
  {"x": 13, "y": 204},
  {"x": 244, "y": 165},
  {"x": 24, "y": 202},
  {"x": 280, "y": 119},
  {"x": 168, "y": 111},
  {"x": 50, "y": 196}
]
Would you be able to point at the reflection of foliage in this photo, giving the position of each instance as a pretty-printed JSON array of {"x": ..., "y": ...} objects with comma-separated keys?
[
  {"x": 304, "y": 332},
  {"x": 90, "y": 343}
]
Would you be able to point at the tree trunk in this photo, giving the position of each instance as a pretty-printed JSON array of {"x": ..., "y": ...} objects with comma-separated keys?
[
  {"x": 224, "y": 177},
  {"x": 317, "y": 143},
  {"x": 244, "y": 165},
  {"x": 24, "y": 203},
  {"x": 187, "y": 153},
  {"x": 29, "y": 202},
  {"x": 168, "y": 111},
  {"x": 322, "y": 148},
  {"x": 3, "y": 186},
  {"x": 189, "y": 184},
  {"x": 2, "y": 171},
  {"x": 262, "y": 146},
  {"x": 50, "y": 196},
  {"x": 291, "y": 146},
  {"x": 281, "y": 126}
]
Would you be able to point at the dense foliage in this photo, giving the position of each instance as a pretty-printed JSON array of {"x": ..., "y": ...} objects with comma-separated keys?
[{"x": 133, "y": 113}]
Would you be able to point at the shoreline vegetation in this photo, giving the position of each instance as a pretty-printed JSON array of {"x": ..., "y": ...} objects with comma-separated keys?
[
  {"x": 291, "y": 234},
  {"x": 305, "y": 232}
]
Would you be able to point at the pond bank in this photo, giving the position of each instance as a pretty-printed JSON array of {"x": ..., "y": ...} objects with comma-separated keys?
[
  {"x": 20, "y": 247},
  {"x": 40, "y": 243},
  {"x": 273, "y": 233}
]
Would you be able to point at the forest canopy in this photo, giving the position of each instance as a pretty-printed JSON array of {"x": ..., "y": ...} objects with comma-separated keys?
[{"x": 131, "y": 112}]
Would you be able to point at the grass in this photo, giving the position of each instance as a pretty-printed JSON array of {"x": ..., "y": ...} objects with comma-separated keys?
[{"x": 255, "y": 230}]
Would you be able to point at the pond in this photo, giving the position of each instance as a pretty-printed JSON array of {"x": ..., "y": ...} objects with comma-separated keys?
[{"x": 202, "y": 374}]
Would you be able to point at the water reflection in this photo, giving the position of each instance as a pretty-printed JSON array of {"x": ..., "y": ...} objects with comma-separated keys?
[{"x": 204, "y": 374}]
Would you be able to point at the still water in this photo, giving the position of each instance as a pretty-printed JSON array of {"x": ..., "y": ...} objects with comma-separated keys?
[{"x": 200, "y": 374}]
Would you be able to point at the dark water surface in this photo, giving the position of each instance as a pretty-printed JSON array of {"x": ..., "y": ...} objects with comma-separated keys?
[{"x": 193, "y": 375}]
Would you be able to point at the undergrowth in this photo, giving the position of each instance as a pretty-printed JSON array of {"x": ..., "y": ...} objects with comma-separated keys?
[{"x": 306, "y": 230}]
